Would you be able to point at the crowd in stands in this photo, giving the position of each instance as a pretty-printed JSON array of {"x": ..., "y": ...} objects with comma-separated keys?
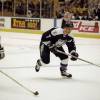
[{"x": 80, "y": 9}]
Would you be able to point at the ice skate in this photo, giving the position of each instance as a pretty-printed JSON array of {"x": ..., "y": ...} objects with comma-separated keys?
[
  {"x": 64, "y": 73},
  {"x": 38, "y": 64}
]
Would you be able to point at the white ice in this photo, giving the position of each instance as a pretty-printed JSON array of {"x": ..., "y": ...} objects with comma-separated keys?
[{"x": 22, "y": 51}]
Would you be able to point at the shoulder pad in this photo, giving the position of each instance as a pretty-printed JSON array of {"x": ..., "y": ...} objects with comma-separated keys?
[{"x": 57, "y": 31}]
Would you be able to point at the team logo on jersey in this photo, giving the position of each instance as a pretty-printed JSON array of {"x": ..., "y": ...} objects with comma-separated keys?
[{"x": 60, "y": 42}]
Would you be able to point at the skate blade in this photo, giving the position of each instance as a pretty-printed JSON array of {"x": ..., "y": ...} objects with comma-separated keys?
[{"x": 65, "y": 77}]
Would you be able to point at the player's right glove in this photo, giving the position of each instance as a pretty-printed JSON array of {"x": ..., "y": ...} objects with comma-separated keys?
[
  {"x": 74, "y": 55},
  {"x": 2, "y": 54}
]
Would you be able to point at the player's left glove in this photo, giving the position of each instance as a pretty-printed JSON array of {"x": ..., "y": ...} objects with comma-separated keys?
[
  {"x": 54, "y": 50},
  {"x": 74, "y": 55},
  {"x": 2, "y": 54}
]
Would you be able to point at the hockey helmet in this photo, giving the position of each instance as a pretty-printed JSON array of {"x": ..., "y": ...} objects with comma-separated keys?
[{"x": 69, "y": 25}]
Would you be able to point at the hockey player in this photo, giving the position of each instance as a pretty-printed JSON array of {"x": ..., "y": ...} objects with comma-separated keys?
[{"x": 52, "y": 41}]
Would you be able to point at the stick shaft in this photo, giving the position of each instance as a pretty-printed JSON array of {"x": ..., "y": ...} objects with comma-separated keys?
[
  {"x": 21, "y": 85},
  {"x": 88, "y": 62},
  {"x": 79, "y": 58},
  {"x": 16, "y": 67}
]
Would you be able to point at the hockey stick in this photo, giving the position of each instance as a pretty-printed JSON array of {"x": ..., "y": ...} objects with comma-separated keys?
[
  {"x": 21, "y": 85},
  {"x": 22, "y": 67},
  {"x": 78, "y": 58}
]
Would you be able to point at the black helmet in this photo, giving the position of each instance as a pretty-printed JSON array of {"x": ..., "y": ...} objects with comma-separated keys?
[{"x": 68, "y": 24}]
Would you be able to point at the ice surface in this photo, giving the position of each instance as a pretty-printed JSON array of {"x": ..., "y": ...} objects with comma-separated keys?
[{"x": 22, "y": 51}]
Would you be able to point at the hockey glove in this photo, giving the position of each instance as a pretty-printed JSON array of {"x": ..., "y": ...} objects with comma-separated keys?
[
  {"x": 2, "y": 54},
  {"x": 54, "y": 50},
  {"x": 74, "y": 56}
]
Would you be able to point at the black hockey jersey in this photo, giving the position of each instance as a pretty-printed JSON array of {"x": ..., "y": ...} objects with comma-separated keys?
[{"x": 55, "y": 38}]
